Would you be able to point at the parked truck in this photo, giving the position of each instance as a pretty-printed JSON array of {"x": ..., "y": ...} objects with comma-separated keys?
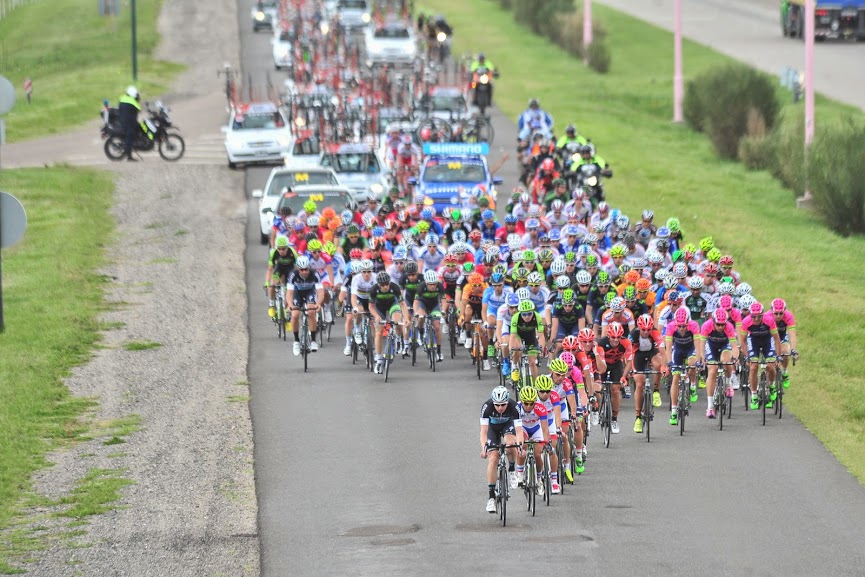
[{"x": 832, "y": 19}]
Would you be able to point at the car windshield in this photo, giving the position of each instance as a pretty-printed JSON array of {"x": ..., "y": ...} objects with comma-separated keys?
[
  {"x": 391, "y": 32},
  {"x": 352, "y": 4},
  {"x": 258, "y": 121},
  {"x": 285, "y": 37},
  {"x": 454, "y": 171},
  {"x": 449, "y": 103},
  {"x": 356, "y": 162},
  {"x": 335, "y": 200},
  {"x": 289, "y": 179},
  {"x": 273, "y": 4}
]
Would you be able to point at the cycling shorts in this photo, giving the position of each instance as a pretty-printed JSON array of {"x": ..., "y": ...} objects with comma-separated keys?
[
  {"x": 534, "y": 434},
  {"x": 495, "y": 433},
  {"x": 614, "y": 372},
  {"x": 282, "y": 271},
  {"x": 767, "y": 349},
  {"x": 714, "y": 352},
  {"x": 435, "y": 313},
  {"x": 301, "y": 298},
  {"x": 476, "y": 310},
  {"x": 564, "y": 331},
  {"x": 682, "y": 354},
  {"x": 363, "y": 304},
  {"x": 530, "y": 344},
  {"x": 643, "y": 359},
  {"x": 394, "y": 308}
]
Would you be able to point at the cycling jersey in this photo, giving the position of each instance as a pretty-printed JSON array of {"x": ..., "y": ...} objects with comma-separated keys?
[
  {"x": 697, "y": 305},
  {"x": 347, "y": 245},
  {"x": 539, "y": 298},
  {"x": 409, "y": 288},
  {"x": 504, "y": 315},
  {"x": 532, "y": 420},
  {"x": 387, "y": 300},
  {"x": 568, "y": 320},
  {"x": 360, "y": 287},
  {"x": 429, "y": 299},
  {"x": 431, "y": 259},
  {"x": 760, "y": 336},
  {"x": 474, "y": 293},
  {"x": 282, "y": 265},
  {"x": 626, "y": 319},
  {"x": 280, "y": 225},
  {"x": 683, "y": 346},
  {"x": 645, "y": 348},
  {"x": 500, "y": 424},
  {"x": 526, "y": 329},
  {"x": 717, "y": 341},
  {"x": 451, "y": 278},
  {"x": 784, "y": 324},
  {"x": 615, "y": 354},
  {"x": 553, "y": 401},
  {"x": 310, "y": 282},
  {"x": 493, "y": 300}
]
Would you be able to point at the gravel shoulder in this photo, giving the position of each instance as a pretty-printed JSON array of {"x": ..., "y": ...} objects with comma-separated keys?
[{"x": 177, "y": 280}]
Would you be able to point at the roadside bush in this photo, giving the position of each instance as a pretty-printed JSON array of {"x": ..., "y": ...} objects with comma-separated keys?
[
  {"x": 506, "y": 4},
  {"x": 756, "y": 148},
  {"x": 599, "y": 56},
  {"x": 836, "y": 176},
  {"x": 727, "y": 95},
  {"x": 788, "y": 161},
  {"x": 693, "y": 108}
]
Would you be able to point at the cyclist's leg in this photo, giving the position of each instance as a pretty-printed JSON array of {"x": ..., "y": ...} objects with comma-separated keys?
[{"x": 437, "y": 324}]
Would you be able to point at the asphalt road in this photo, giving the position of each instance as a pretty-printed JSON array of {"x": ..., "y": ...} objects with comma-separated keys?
[
  {"x": 358, "y": 477},
  {"x": 751, "y": 31}
]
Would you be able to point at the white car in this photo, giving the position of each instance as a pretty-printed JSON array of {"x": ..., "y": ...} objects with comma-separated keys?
[
  {"x": 282, "y": 50},
  {"x": 392, "y": 43},
  {"x": 278, "y": 183},
  {"x": 353, "y": 14},
  {"x": 257, "y": 133},
  {"x": 358, "y": 167},
  {"x": 264, "y": 14}
]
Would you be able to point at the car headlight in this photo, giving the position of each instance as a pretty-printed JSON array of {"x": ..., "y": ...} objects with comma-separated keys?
[
  {"x": 376, "y": 188},
  {"x": 484, "y": 79},
  {"x": 299, "y": 122},
  {"x": 365, "y": 17},
  {"x": 284, "y": 141},
  {"x": 324, "y": 27},
  {"x": 441, "y": 36},
  {"x": 259, "y": 16},
  {"x": 592, "y": 180}
]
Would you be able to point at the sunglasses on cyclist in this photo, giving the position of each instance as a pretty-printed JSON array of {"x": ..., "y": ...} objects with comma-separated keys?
[
  {"x": 527, "y": 315},
  {"x": 282, "y": 248},
  {"x": 366, "y": 272},
  {"x": 495, "y": 284},
  {"x": 529, "y": 405},
  {"x": 535, "y": 284},
  {"x": 500, "y": 404}
]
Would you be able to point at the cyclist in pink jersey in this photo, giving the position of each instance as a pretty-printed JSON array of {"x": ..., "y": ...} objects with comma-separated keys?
[
  {"x": 759, "y": 336},
  {"x": 787, "y": 332}
]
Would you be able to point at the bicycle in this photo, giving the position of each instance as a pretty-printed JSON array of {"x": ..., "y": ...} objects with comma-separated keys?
[
  {"x": 502, "y": 484},
  {"x": 763, "y": 392},
  {"x": 647, "y": 412},
  {"x": 683, "y": 403},
  {"x": 305, "y": 337},
  {"x": 546, "y": 477},
  {"x": 279, "y": 318},
  {"x": 389, "y": 348},
  {"x": 412, "y": 336},
  {"x": 530, "y": 484},
  {"x": 779, "y": 384},
  {"x": 606, "y": 411},
  {"x": 723, "y": 404},
  {"x": 522, "y": 371},
  {"x": 429, "y": 341},
  {"x": 451, "y": 321},
  {"x": 560, "y": 453},
  {"x": 477, "y": 345}
]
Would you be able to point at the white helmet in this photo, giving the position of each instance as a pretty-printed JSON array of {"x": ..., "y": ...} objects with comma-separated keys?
[
  {"x": 558, "y": 266},
  {"x": 514, "y": 241},
  {"x": 132, "y": 92},
  {"x": 695, "y": 282},
  {"x": 583, "y": 277},
  {"x": 670, "y": 281},
  {"x": 563, "y": 282},
  {"x": 535, "y": 278},
  {"x": 617, "y": 304},
  {"x": 746, "y": 301},
  {"x": 430, "y": 277},
  {"x": 355, "y": 267},
  {"x": 500, "y": 395},
  {"x": 743, "y": 289},
  {"x": 654, "y": 257},
  {"x": 523, "y": 294},
  {"x": 366, "y": 265},
  {"x": 302, "y": 262}
]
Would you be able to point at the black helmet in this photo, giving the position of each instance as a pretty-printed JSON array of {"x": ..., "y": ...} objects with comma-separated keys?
[
  {"x": 382, "y": 278},
  {"x": 570, "y": 129},
  {"x": 586, "y": 149},
  {"x": 481, "y": 56},
  {"x": 534, "y": 102},
  {"x": 410, "y": 267}
]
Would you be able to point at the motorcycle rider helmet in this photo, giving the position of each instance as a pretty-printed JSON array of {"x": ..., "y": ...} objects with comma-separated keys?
[
  {"x": 586, "y": 149},
  {"x": 132, "y": 92},
  {"x": 533, "y": 103}
]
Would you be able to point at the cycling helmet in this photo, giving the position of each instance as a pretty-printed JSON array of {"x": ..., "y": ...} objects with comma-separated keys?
[
  {"x": 642, "y": 285},
  {"x": 682, "y": 316},
  {"x": 583, "y": 277},
  {"x": 535, "y": 278},
  {"x": 400, "y": 254},
  {"x": 645, "y": 322},
  {"x": 630, "y": 293},
  {"x": 706, "y": 244},
  {"x": 497, "y": 278},
  {"x": 510, "y": 219},
  {"x": 523, "y": 294},
  {"x": 521, "y": 274},
  {"x": 354, "y": 266},
  {"x": 526, "y": 306},
  {"x": 382, "y": 278},
  {"x": 615, "y": 331},
  {"x": 422, "y": 226},
  {"x": 475, "y": 278},
  {"x": 427, "y": 213},
  {"x": 623, "y": 222},
  {"x": 517, "y": 256},
  {"x": 568, "y": 297},
  {"x": 330, "y": 248},
  {"x": 673, "y": 224},
  {"x": 468, "y": 268},
  {"x": 514, "y": 241},
  {"x": 710, "y": 268},
  {"x": 298, "y": 225},
  {"x": 544, "y": 383},
  {"x": 281, "y": 241},
  {"x": 670, "y": 281},
  {"x": 528, "y": 395},
  {"x": 617, "y": 305},
  {"x": 603, "y": 278},
  {"x": 746, "y": 301},
  {"x": 618, "y": 250},
  {"x": 346, "y": 217},
  {"x": 662, "y": 244},
  {"x": 455, "y": 215},
  {"x": 490, "y": 258},
  {"x": 432, "y": 238},
  {"x": 558, "y": 266},
  {"x": 313, "y": 221},
  {"x": 366, "y": 265},
  {"x": 570, "y": 343},
  {"x": 591, "y": 238},
  {"x": 488, "y": 215},
  {"x": 726, "y": 288},
  {"x": 695, "y": 283},
  {"x": 513, "y": 300},
  {"x": 302, "y": 263},
  {"x": 680, "y": 270},
  {"x": 654, "y": 257},
  {"x": 501, "y": 268},
  {"x": 548, "y": 165},
  {"x": 459, "y": 237},
  {"x": 779, "y": 306},
  {"x": 545, "y": 255},
  {"x": 568, "y": 358},
  {"x": 756, "y": 308},
  {"x": 663, "y": 233},
  {"x": 725, "y": 302},
  {"x": 563, "y": 282},
  {"x": 309, "y": 206},
  {"x": 555, "y": 235},
  {"x": 714, "y": 254},
  {"x": 572, "y": 230},
  {"x": 648, "y": 214},
  {"x": 726, "y": 260},
  {"x": 587, "y": 335},
  {"x": 460, "y": 247},
  {"x": 570, "y": 257},
  {"x": 680, "y": 255},
  {"x": 500, "y": 395},
  {"x": 534, "y": 211},
  {"x": 411, "y": 267},
  {"x": 584, "y": 250},
  {"x": 528, "y": 255},
  {"x": 743, "y": 289},
  {"x": 430, "y": 277},
  {"x": 632, "y": 276},
  {"x": 591, "y": 261},
  {"x": 557, "y": 205},
  {"x": 533, "y": 224},
  {"x": 720, "y": 316}
]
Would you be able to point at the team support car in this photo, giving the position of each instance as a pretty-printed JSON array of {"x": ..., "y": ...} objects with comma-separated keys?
[
  {"x": 455, "y": 173},
  {"x": 265, "y": 13},
  {"x": 257, "y": 133},
  {"x": 280, "y": 181},
  {"x": 358, "y": 167},
  {"x": 282, "y": 50},
  {"x": 336, "y": 197},
  {"x": 391, "y": 43},
  {"x": 353, "y": 14},
  {"x": 305, "y": 150}
]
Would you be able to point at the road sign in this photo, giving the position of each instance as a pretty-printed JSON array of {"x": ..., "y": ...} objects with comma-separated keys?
[
  {"x": 28, "y": 89},
  {"x": 7, "y": 95},
  {"x": 13, "y": 220}
]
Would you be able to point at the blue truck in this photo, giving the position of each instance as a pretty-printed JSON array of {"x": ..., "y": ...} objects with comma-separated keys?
[
  {"x": 451, "y": 172},
  {"x": 832, "y": 19}
]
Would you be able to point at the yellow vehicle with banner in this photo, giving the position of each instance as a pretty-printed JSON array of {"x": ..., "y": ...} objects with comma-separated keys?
[{"x": 832, "y": 19}]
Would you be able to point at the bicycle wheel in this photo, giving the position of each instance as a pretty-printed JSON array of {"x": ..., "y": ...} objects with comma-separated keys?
[
  {"x": 779, "y": 402},
  {"x": 683, "y": 409},
  {"x": 477, "y": 129},
  {"x": 304, "y": 345},
  {"x": 722, "y": 408},
  {"x": 560, "y": 453},
  {"x": 503, "y": 493},
  {"x": 607, "y": 418},
  {"x": 452, "y": 334},
  {"x": 647, "y": 407},
  {"x": 388, "y": 355},
  {"x": 547, "y": 479},
  {"x": 280, "y": 319},
  {"x": 320, "y": 324},
  {"x": 370, "y": 348},
  {"x": 332, "y": 316},
  {"x": 530, "y": 486},
  {"x": 476, "y": 347}
]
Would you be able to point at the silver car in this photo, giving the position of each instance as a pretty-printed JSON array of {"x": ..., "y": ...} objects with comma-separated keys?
[
  {"x": 393, "y": 43},
  {"x": 353, "y": 14}
]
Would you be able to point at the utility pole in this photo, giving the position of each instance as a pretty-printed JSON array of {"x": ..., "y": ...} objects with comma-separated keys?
[
  {"x": 809, "y": 90},
  {"x": 678, "y": 78},
  {"x": 134, "y": 44},
  {"x": 587, "y": 28}
]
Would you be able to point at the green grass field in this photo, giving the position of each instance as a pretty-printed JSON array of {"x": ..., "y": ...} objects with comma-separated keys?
[
  {"x": 51, "y": 297},
  {"x": 76, "y": 58},
  {"x": 780, "y": 250}
]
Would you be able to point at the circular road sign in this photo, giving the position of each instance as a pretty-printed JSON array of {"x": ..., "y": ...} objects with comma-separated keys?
[
  {"x": 7, "y": 95},
  {"x": 13, "y": 220}
]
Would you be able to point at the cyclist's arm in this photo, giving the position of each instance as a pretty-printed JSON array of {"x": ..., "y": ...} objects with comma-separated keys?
[
  {"x": 546, "y": 430},
  {"x": 791, "y": 332},
  {"x": 557, "y": 416}
]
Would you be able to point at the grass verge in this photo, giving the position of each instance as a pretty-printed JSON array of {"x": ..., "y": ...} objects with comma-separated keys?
[
  {"x": 780, "y": 250},
  {"x": 52, "y": 296},
  {"x": 75, "y": 58}
]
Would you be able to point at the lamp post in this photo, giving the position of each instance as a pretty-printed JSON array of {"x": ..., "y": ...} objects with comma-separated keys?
[
  {"x": 587, "y": 28},
  {"x": 134, "y": 43},
  {"x": 678, "y": 79},
  {"x": 809, "y": 88}
]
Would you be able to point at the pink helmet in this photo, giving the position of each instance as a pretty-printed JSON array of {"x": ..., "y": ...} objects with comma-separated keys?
[
  {"x": 720, "y": 316},
  {"x": 757, "y": 309},
  {"x": 568, "y": 357},
  {"x": 682, "y": 317},
  {"x": 779, "y": 306},
  {"x": 726, "y": 302}
]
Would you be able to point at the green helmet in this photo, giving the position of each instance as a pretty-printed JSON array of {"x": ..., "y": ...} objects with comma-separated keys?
[
  {"x": 714, "y": 255},
  {"x": 706, "y": 244},
  {"x": 526, "y": 307},
  {"x": 329, "y": 248},
  {"x": 673, "y": 224},
  {"x": 609, "y": 297},
  {"x": 544, "y": 383},
  {"x": 468, "y": 267},
  {"x": 617, "y": 250},
  {"x": 529, "y": 255},
  {"x": 591, "y": 260},
  {"x": 353, "y": 229},
  {"x": 677, "y": 255},
  {"x": 568, "y": 297},
  {"x": 570, "y": 257},
  {"x": 309, "y": 206},
  {"x": 558, "y": 366},
  {"x": 624, "y": 268},
  {"x": 630, "y": 293},
  {"x": 528, "y": 395},
  {"x": 603, "y": 278},
  {"x": 314, "y": 244},
  {"x": 281, "y": 241},
  {"x": 689, "y": 247},
  {"x": 423, "y": 226},
  {"x": 728, "y": 279},
  {"x": 456, "y": 215}
]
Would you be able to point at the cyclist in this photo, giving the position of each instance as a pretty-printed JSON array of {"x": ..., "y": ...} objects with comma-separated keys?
[
  {"x": 535, "y": 424},
  {"x": 320, "y": 262},
  {"x": 759, "y": 336},
  {"x": 617, "y": 314},
  {"x": 361, "y": 285},
  {"x": 682, "y": 351},
  {"x": 428, "y": 301},
  {"x": 647, "y": 343},
  {"x": 304, "y": 289},
  {"x": 786, "y": 324},
  {"x": 493, "y": 298},
  {"x": 526, "y": 332},
  {"x": 500, "y": 424},
  {"x": 432, "y": 257},
  {"x": 571, "y": 410},
  {"x": 388, "y": 304},
  {"x": 279, "y": 267},
  {"x": 471, "y": 302},
  {"x": 617, "y": 354},
  {"x": 503, "y": 329},
  {"x": 553, "y": 404},
  {"x": 569, "y": 319},
  {"x": 720, "y": 337},
  {"x": 590, "y": 359}
]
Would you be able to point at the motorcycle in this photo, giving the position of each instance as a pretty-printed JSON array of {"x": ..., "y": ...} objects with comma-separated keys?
[
  {"x": 153, "y": 134},
  {"x": 589, "y": 178},
  {"x": 442, "y": 47},
  {"x": 482, "y": 88}
]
